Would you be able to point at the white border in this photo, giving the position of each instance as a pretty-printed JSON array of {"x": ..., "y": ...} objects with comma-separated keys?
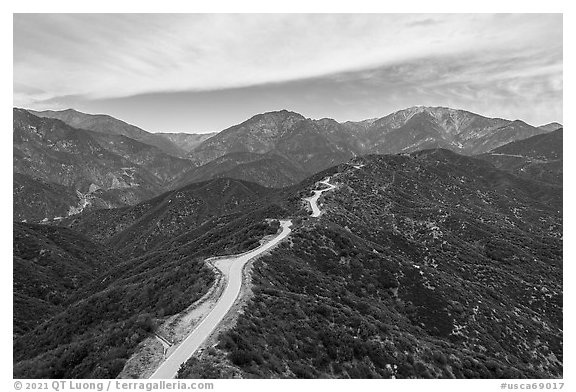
[{"x": 296, "y": 6}]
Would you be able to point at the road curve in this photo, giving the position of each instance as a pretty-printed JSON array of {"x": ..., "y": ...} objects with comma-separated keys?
[
  {"x": 231, "y": 268},
  {"x": 314, "y": 199}
]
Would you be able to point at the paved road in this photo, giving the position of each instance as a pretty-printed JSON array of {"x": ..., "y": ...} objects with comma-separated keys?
[
  {"x": 314, "y": 199},
  {"x": 232, "y": 270}
]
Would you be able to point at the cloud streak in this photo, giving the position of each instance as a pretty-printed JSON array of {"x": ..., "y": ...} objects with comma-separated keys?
[
  {"x": 377, "y": 61},
  {"x": 117, "y": 55}
]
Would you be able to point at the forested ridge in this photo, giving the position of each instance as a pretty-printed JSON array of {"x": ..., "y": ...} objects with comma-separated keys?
[
  {"x": 428, "y": 264},
  {"x": 423, "y": 265}
]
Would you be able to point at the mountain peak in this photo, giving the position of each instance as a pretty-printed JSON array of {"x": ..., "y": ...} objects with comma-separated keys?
[
  {"x": 280, "y": 113},
  {"x": 267, "y": 121}
]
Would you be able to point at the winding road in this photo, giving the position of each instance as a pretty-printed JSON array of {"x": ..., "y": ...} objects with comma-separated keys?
[
  {"x": 231, "y": 268},
  {"x": 314, "y": 199}
]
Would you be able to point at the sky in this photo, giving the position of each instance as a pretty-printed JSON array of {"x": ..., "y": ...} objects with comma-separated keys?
[{"x": 200, "y": 73}]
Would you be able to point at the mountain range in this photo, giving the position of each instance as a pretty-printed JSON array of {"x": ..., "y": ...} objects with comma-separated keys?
[
  {"x": 319, "y": 143},
  {"x": 125, "y": 164}
]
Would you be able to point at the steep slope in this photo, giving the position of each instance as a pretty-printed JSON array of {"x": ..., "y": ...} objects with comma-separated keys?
[
  {"x": 545, "y": 147},
  {"x": 107, "y": 319},
  {"x": 449, "y": 122},
  {"x": 163, "y": 166},
  {"x": 553, "y": 126},
  {"x": 303, "y": 142},
  {"x": 538, "y": 157},
  {"x": 50, "y": 265},
  {"x": 269, "y": 170},
  {"x": 256, "y": 135},
  {"x": 513, "y": 131},
  {"x": 35, "y": 200},
  {"x": 100, "y": 327},
  {"x": 424, "y": 265},
  {"x": 409, "y": 132},
  {"x": 422, "y": 127},
  {"x": 109, "y": 125},
  {"x": 53, "y": 151},
  {"x": 114, "y": 169},
  {"x": 187, "y": 141},
  {"x": 141, "y": 229}
]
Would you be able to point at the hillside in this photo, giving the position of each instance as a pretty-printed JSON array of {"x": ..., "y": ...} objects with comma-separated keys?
[
  {"x": 50, "y": 265},
  {"x": 109, "y": 125},
  {"x": 553, "y": 126},
  {"x": 538, "y": 157},
  {"x": 265, "y": 169},
  {"x": 35, "y": 200},
  {"x": 513, "y": 131},
  {"x": 543, "y": 147},
  {"x": 186, "y": 141},
  {"x": 107, "y": 319},
  {"x": 106, "y": 170},
  {"x": 424, "y": 265},
  {"x": 96, "y": 333},
  {"x": 154, "y": 224},
  {"x": 163, "y": 167}
]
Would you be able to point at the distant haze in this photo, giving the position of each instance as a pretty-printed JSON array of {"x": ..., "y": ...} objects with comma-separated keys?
[{"x": 203, "y": 73}]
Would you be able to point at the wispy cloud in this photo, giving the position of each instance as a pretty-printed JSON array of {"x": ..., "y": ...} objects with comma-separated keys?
[
  {"x": 423, "y": 22},
  {"x": 117, "y": 55},
  {"x": 378, "y": 61}
]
